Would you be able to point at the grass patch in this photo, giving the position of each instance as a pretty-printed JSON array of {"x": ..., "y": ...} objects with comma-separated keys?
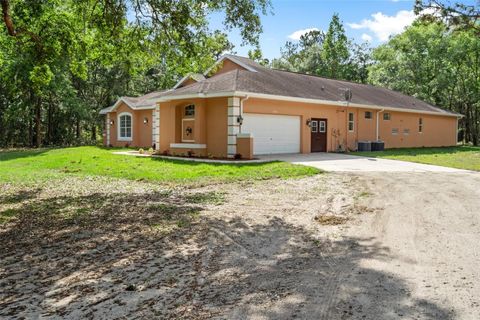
[
  {"x": 213, "y": 197},
  {"x": 32, "y": 166},
  {"x": 7, "y": 215},
  {"x": 462, "y": 157},
  {"x": 331, "y": 220}
]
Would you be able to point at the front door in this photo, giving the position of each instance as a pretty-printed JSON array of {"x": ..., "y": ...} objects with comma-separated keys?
[{"x": 318, "y": 135}]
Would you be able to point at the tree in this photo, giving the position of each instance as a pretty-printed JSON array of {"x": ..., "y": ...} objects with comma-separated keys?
[
  {"x": 64, "y": 60},
  {"x": 457, "y": 14},
  {"x": 335, "y": 50},
  {"x": 257, "y": 55},
  {"x": 436, "y": 65},
  {"x": 330, "y": 55}
]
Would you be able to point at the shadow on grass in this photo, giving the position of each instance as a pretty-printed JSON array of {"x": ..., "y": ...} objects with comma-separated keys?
[
  {"x": 152, "y": 255},
  {"x": 214, "y": 164},
  {"x": 6, "y": 155}
]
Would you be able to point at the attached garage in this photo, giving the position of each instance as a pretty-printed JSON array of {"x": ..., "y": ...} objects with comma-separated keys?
[{"x": 273, "y": 134}]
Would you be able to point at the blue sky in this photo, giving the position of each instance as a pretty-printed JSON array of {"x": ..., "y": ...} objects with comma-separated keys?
[{"x": 372, "y": 20}]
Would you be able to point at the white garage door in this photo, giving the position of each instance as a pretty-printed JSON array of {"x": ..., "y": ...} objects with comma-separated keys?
[{"x": 273, "y": 134}]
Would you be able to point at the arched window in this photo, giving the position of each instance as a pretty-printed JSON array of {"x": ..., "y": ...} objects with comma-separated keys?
[{"x": 125, "y": 126}]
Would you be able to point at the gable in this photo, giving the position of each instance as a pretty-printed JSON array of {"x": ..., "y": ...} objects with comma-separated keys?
[
  {"x": 189, "y": 79},
  {"x": 229, "y": 63},
  {"x": 226, "y": 66}
]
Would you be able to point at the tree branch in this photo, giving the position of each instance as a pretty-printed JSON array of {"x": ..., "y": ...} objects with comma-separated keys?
[{"x": 6, "y": 17}]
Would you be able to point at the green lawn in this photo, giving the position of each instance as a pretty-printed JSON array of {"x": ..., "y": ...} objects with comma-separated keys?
[
  {"x": 463, "y": 157},
  {"x": 30, "y": 166}
]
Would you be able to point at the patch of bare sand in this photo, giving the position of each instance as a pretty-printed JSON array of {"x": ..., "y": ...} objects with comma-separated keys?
[{"x": 110, "y": 249}]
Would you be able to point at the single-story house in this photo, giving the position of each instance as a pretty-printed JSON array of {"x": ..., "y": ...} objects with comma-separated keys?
[{"x": 239, "y": 107}]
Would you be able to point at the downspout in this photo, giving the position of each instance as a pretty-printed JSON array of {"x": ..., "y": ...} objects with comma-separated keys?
[
  {"x": 346, "y": 128},
  {"x": 242, "y": 100},
  {"x": 376, "y": 131}
]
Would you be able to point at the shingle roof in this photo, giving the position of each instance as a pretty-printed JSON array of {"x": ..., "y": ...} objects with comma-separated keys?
[
  {"x": 147, "y": 100},
  {"x": 290, "y": 84}
]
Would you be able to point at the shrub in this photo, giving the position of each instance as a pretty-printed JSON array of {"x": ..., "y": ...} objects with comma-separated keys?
[
  {"x": 237, "y": 156},
  {"x": 150, "y": 150},
  {"x": 191, "y": 153},
  {"x": 141, "y": 151}
]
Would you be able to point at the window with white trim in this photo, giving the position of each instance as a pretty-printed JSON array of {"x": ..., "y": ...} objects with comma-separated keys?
[
  {"x": 420, "y": 125},
  {"x": 387, "y": 116},
  {"x": 125, "y": 126},
  {"x": 351, "y": 123},
  {"x": 322, "y": 126},
  {"x": 394, "y": 131},
  {"x": 406, "y": 132},
  {"x": 368, "y": 115}
]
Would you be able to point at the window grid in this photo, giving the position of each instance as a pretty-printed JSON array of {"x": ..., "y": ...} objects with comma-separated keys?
[
  {"x": 190, "y": 110},
  {"x": 125, "y": 126},
  {"x": 321, "y": 126}
]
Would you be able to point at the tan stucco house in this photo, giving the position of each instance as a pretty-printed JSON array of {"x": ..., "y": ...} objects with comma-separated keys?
[{"x": 240, "y": 107}]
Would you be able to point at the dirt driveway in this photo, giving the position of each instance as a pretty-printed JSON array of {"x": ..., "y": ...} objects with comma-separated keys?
[
  {"x": 340, "y": 162},
  {"x": 334, "y": 246}
]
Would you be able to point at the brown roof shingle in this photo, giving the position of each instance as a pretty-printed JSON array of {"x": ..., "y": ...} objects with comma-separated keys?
[{"x": 290, "y": 84}]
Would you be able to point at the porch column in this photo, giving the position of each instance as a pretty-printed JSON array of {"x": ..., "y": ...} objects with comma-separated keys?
[
  {"x": 107, "y": 128},
  {"x": 156, "y": 126},
  {"x": 233, "y": 125}
]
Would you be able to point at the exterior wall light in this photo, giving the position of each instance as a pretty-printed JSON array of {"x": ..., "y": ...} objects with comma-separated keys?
[
  {"x": 145, "y": 120},
  {"x": 112, "y": 122},
  {"x": 240, "y": 120},
  {"x": 309, "y": 123}
]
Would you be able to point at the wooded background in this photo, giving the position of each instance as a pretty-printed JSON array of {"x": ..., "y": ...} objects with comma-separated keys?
[{"x": 61, "y": 61}]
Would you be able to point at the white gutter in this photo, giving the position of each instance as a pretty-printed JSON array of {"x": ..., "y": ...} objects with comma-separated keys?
[
  {"x": 376, "y": 130},
  {"x": 297, "y": 99},
  {"x": 242, "y": 100}
]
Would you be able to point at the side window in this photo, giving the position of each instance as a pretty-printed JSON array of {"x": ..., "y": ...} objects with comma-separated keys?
[
  {"x": 190, "y": 111},
  {"x": 321, "y": 126},
  {"x": 368, "y": 114},
  {"x": 386, "y": 116},
  {"x": 420, "y": 125},
  {"x": 125, "y": 126},
  {"x": 314, "y": 125},
  {"x": 406, "y": 132},
  {"x": 394, "y": 131},
  {"x": 351, "y": 123}
]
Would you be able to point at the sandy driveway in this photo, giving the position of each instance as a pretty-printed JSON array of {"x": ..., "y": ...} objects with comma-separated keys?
[
  {"x": 340, "y": 162},
  {"x": 409, "y": 249}
]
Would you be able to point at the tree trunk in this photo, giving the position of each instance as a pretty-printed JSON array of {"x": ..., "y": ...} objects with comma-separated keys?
[
  {"x": 78, "y": 129},
  {"x": 94, "y": 133},
  {"x": 475, "y": 131},
  {"x": 49, "y": 125},
  {"x": 38, "y": 123}
]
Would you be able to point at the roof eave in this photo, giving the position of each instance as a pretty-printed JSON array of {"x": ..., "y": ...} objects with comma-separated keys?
[{"x": 303, "y": 100}]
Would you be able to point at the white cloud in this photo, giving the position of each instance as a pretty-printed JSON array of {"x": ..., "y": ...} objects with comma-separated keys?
[
  {"x": 366, "y": 37},
  {"x": 383, "y": 26},
  {"x": 297, "y": 34}
]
